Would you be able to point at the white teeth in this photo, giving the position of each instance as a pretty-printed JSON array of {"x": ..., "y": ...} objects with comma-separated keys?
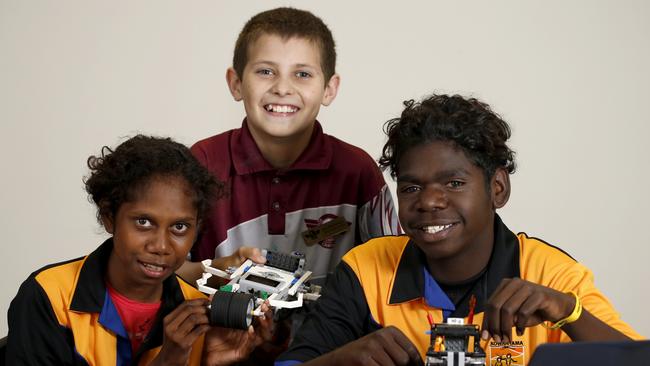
[
  {"x": 153, "y": 267},
  {"x": 280, "y": 108},
  {"x": 436, "y": 228}
]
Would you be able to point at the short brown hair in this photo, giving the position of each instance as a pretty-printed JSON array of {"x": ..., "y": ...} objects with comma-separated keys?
[{"x": 286, "y": 23}]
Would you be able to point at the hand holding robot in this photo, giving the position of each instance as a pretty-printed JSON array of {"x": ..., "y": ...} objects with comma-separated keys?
[{"x": 281, "y": 281}]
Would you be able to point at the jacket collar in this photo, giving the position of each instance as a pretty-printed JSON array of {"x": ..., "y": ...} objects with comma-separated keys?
[
  {"x": 247, "y": 158},
  {"x": 90, "y": 289},
  {"x": 413, "y": 281},
  {"x": 91, "y": 296}
]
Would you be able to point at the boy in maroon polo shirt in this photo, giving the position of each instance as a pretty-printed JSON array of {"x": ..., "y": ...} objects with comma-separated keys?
[
  {"x": 285, "y": 177},
  {"x": 290, "y": 186}
]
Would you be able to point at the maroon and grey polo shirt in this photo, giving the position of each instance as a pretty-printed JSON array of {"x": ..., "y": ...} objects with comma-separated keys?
[{"x": 270, "y": 208}]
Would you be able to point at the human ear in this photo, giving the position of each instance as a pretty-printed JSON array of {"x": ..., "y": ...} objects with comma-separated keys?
[
  {"x": 331, "y": 89},
  {"x": 234, "y": 83},
  {"x": 500, "y": 185}
]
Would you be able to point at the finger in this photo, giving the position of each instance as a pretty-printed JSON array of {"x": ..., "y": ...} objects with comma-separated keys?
[
  {"x": 519, "y": 292},
  {"x": 492, "y": 314},
  {"x": 363, "y": 351},
  {"x": 396, "y": 345},
  {"x": 412, "y": 353},
  {"x": 380, "y": 357},
  {"x": 172, "y": 319},
  {"x": 191, "y": 322},
  {"x": 527, "y": 315},
  {"x": 251, "y": 253},
  {"x": 225, "y": 346},
  {"x": 395, "y": 353},
  {"x": 485, "y": 333},
  {"x": 259, "y": 334},
  {"x": 265, "y": 326},
  {"x": 203, "y": 302},
  {"x": 196, "y": 333},
  {"x": 194, "y": 310},
  {"x": 267, "y": 311},
  {"x": 266, "y": 307},
  {"x": 233, "y": 354},
  {"x": 504, "y": 282},
  {"x": 190, "y": 307},
  {"x": 184, "y": 337}
]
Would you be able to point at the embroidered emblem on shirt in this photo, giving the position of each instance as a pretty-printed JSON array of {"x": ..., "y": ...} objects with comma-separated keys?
[
  {"x": 506, "y": 353},
  {"x": 324, "y": 230}
]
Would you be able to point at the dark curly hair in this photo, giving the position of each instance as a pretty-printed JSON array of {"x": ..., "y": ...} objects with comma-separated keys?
[
  {"x": 467, "y": 122},
  {"x": 286, "y": 23},
  {"x": 118, "y": 175}
]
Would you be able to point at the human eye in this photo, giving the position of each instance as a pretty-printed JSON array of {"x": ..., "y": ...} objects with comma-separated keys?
[
  {"x": 303, "y": 74},
  {"x": 265, "y": 72},
  {"x": 455, "y": 184},
  {"x": 409, "y": 189},
  {"x": 143, "y": 222},
  {"x": 180, "y": 228}
]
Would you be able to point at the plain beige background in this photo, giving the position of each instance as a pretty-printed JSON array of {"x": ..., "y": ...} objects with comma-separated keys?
[{"x": 571, "y": 77}]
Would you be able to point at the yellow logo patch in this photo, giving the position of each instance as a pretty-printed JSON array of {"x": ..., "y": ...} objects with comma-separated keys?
[{"x": 506, "y": 353}]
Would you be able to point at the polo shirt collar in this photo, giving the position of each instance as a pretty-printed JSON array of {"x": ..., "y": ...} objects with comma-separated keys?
[
  {"x": 90, "y": 294},
  {"x": 247, "y": 158},
  {"x": 90, "y": 289},
  {"x": 413, "y": 281}
]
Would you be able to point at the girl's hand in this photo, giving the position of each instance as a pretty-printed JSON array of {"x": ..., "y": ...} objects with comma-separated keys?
[
  {"x": 224, "y": 346},
  {"x": 182, "y": 327}
]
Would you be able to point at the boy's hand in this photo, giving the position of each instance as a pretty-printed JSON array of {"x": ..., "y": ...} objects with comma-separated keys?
[
  {"x": 238, "y": 257},
  {"x": 521, "y": 304},
  {"x": 224, "y": 346},
  {"x": 387, "y": 346},
  {"x": 181, "y": 329}
]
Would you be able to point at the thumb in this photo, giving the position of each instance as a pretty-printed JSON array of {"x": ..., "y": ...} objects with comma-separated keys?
[{"x": 253, "y": 254}]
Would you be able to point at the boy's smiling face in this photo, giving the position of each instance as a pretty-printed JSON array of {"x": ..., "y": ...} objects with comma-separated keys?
[
  {"x": 446, "y": 208},
  {"x": 152, "y": 236},
  {"x": 282, "y": 88}
]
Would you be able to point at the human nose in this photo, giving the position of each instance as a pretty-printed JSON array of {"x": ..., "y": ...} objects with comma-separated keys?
[
  {"x": 432, "y": 199},
  {"x": 282, "y": 86},
  {"x": 159, "y": 243}
]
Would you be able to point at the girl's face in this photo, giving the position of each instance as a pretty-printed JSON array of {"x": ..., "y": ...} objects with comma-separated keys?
[{"x": 152, "y": 236}]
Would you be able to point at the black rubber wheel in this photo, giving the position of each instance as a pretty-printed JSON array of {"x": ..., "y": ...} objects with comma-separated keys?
[
  {"x": 219, "y": 308},
  {"x": 232, "y": 310}
]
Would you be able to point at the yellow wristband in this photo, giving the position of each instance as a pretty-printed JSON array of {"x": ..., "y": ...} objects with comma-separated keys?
[{"x": 575, "y": 315}]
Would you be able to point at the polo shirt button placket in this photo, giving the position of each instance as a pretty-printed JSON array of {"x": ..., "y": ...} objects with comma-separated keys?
[{"x": 276, "y": 209}]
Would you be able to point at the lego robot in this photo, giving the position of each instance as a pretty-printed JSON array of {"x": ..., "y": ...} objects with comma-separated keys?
[
  {"x": 449, "y": 344},
  {"x": 281, "y": 281}
]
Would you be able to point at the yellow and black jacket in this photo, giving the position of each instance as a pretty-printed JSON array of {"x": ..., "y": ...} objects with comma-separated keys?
[
  {"x": 386, "y": 282},
  {"x": 63, "y": 315}
]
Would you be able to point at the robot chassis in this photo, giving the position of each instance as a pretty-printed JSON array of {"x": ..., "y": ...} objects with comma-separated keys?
[
  {"x": 281, "y": 281},
  {"x": 449, "y": 344}
]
